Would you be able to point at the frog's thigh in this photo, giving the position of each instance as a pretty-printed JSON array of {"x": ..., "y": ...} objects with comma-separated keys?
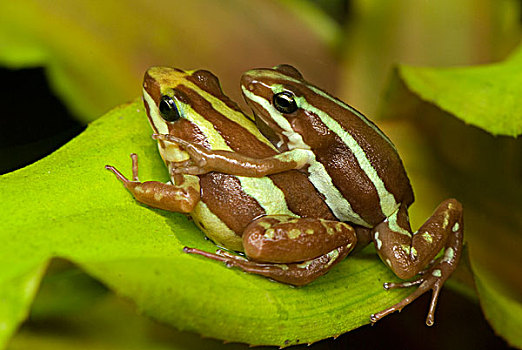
[
  {"x": 297, "y": 274},
  {"x": 284, "y": 239}
]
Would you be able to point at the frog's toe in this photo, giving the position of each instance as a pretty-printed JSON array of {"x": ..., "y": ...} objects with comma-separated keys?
[
  {"x": 432, "y": 279},
  {"x": 407, "y": 284}
]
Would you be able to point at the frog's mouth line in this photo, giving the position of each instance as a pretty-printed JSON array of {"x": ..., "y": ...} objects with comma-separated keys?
[{"x": 268, "y": 129}]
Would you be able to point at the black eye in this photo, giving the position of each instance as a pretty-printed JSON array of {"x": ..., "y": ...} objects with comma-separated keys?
[
  {"x": 168, "y": 109},
  {"x": 284, "y": 102}
]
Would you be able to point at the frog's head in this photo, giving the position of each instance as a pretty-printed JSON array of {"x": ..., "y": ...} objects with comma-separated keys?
[
  {"x": 175, "y": 105},
  {"x": 277, "y": 97},
  {"x": 300, "y": 114}
]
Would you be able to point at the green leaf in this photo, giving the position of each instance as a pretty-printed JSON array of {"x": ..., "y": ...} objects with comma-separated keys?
[
  {"x": 108, "y": 323},
  {"x": 65, "y": 290},
  {"x": 67, "y": 205},
  {"x": 16, "y": 294},
  {"x": 485, "y": 96}
]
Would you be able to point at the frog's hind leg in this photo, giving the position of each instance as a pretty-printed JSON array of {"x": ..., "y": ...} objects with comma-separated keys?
[
  {"x": 296, "y": 274},
  {"x": 290, "y": 250},
  {"x": 408, "y": 254}
]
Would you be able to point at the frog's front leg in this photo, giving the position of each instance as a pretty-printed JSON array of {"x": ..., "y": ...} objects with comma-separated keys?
[
  {"x": 182, "y": 196},
  {"x": 408, "y": 254},
  {"x": 290, "y": 250},
  {"x": 203, "y": 160}
]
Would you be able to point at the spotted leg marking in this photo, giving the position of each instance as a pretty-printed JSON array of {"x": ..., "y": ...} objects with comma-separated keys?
[{"x": 407, "y": 254}]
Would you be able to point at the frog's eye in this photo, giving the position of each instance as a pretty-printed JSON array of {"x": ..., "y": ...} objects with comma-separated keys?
[
  {"x": 168, "y": 109},
  {"x": 284, "y": 102}
]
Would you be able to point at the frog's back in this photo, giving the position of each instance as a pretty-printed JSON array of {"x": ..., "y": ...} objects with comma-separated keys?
[
  {"x": 369, "y": 157},
  {"x": 346, "y": 145}
]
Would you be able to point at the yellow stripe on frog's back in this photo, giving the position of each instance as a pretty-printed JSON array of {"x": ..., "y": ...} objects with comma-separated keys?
[{"x": 237, "y": 117}]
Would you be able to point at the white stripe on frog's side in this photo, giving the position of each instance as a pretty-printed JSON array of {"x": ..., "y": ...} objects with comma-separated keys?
[
  {"x": 267, "y": 194},
  {"x": 215, "y": 229},
  {"x": 387, "y": 201},
  {"x": 318, "y": 175},
  {"x": 277, "y": 75},
  {"x": 394, "y": 225}
]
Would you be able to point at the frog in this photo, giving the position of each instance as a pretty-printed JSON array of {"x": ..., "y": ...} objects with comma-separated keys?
[
  {"x": 356, "y": 168},
  {"x": 279, "y": 224}
]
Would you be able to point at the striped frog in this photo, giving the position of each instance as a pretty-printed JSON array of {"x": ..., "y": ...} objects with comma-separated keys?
[
  {"x": 280, "y": 222},
  {"x": 357, "y": 170}
]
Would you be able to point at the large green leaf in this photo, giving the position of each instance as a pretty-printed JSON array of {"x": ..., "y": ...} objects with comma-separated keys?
[{"x": 67, "y": 205}]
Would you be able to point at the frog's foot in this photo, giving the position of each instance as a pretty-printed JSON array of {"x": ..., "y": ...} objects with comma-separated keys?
[
  {"x": 220, "y": 255},
  {"x": 181, "y": 199},
  {"x": 433, "y": 278},
  {"x": 120, "y": 176},
  {"x": 294, "y": 273},
  {"x": 408, "y": 253}
]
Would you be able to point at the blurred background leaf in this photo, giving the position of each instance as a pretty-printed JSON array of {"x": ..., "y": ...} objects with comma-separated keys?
[
  {"x": 95, "y": 54},
  {"x": 108, "y": 323},
  {"x": 485, "y": 96},
  {"x": 381, "y": 34}
]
